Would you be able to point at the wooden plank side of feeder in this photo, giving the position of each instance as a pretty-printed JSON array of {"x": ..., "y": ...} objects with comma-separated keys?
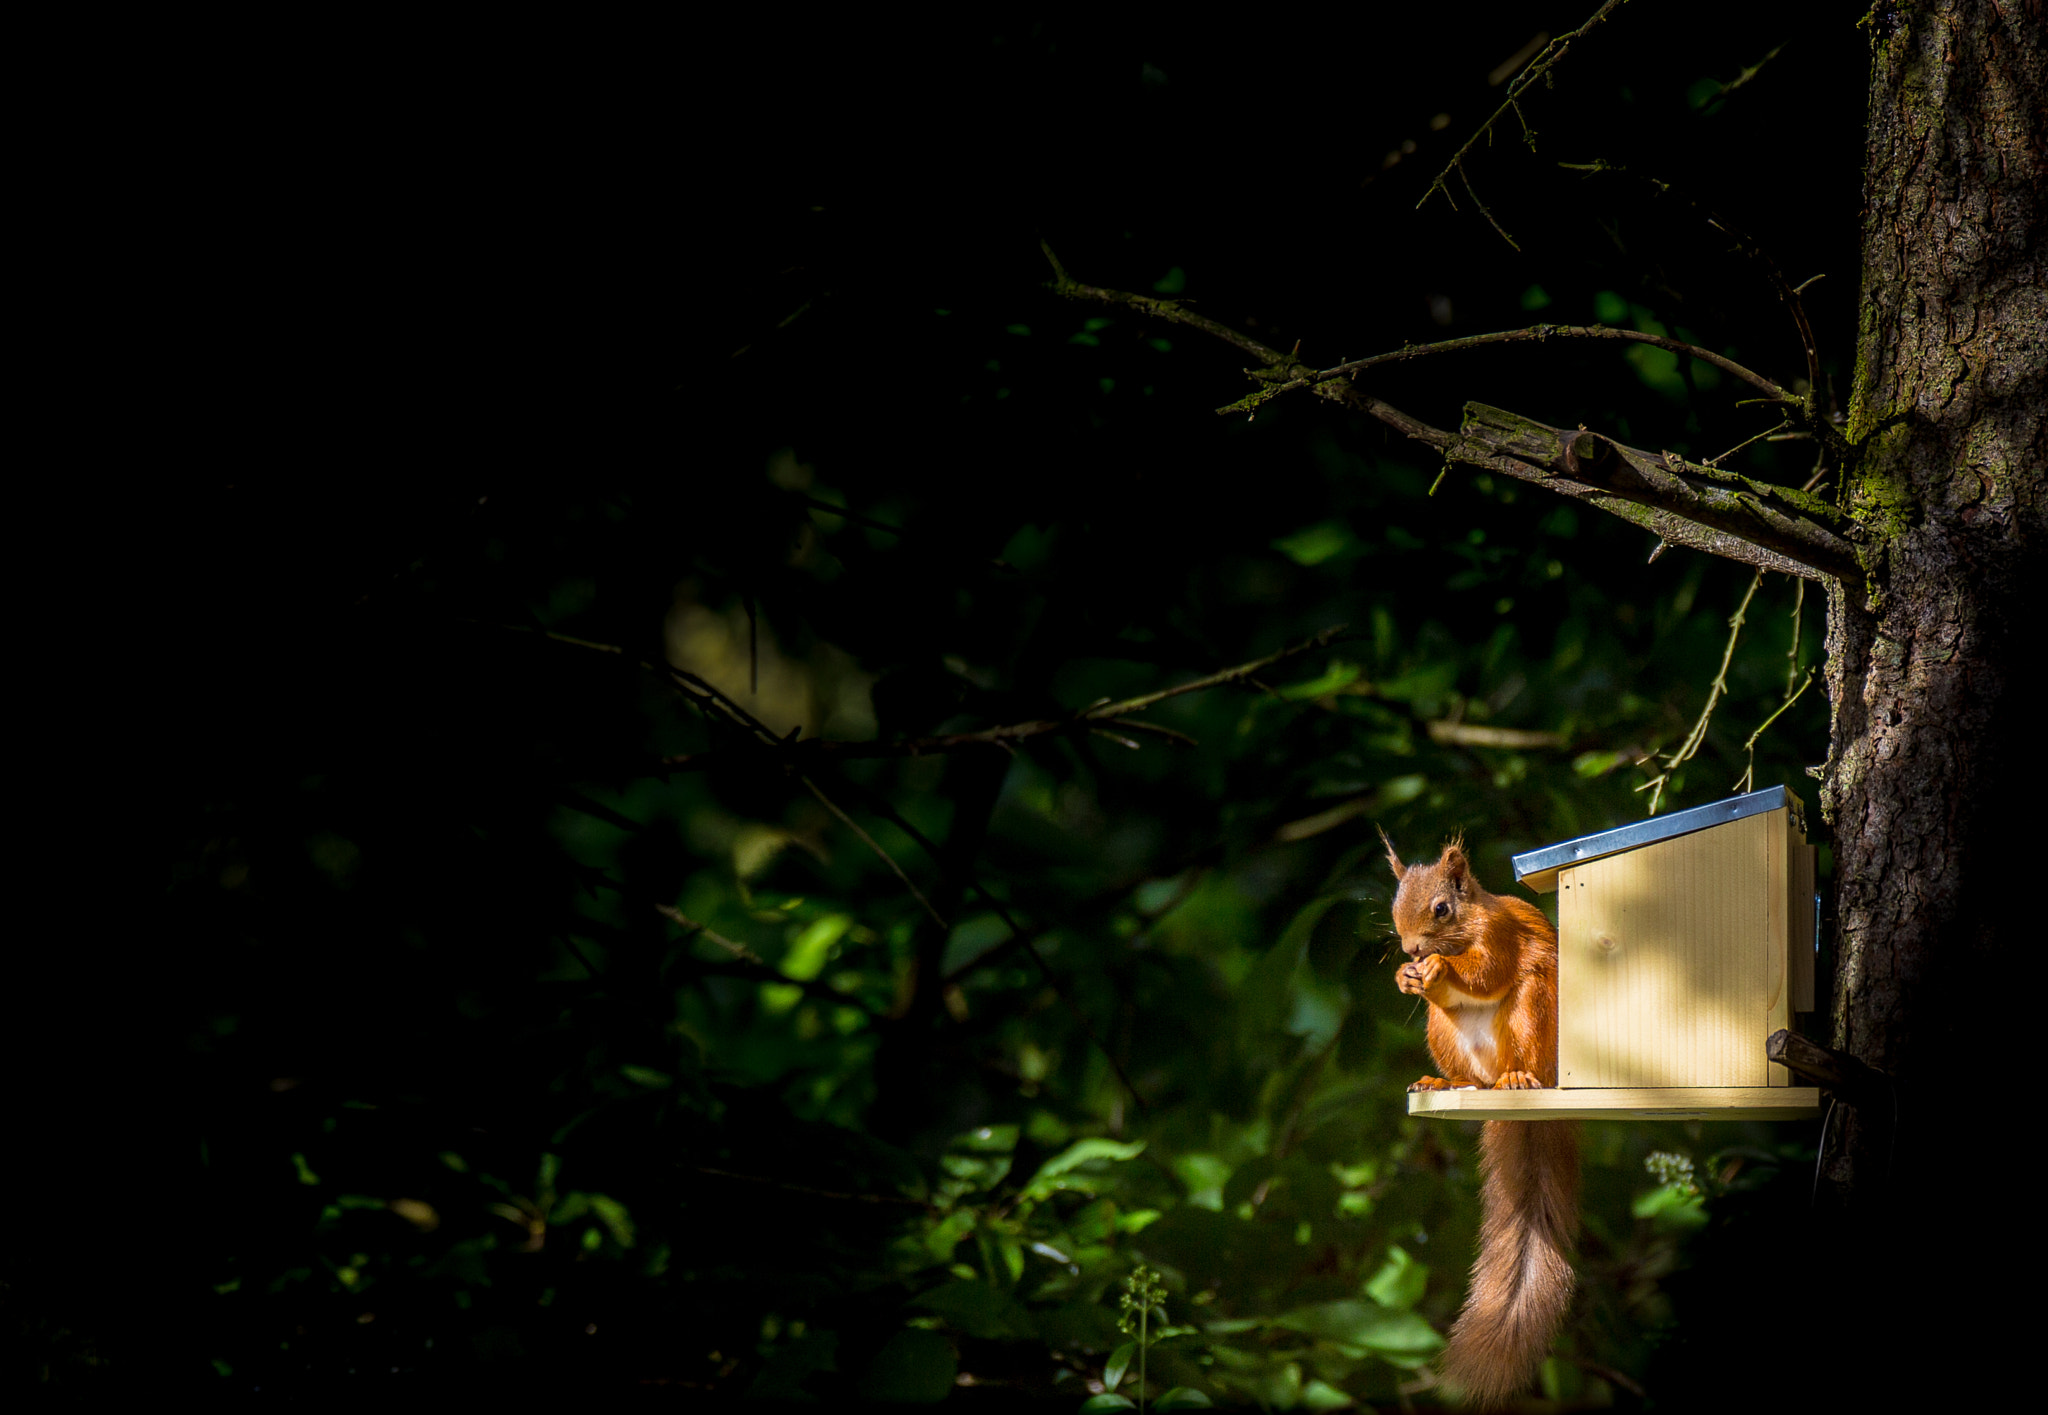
[
  {"x": 1619, "y": 1103},
  {"x": 1803, "y": 870},
  {"x": 1665, "y": 961}
]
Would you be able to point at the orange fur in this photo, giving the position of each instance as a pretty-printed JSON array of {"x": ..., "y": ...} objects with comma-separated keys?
[{"x": 1488, "y": 968}]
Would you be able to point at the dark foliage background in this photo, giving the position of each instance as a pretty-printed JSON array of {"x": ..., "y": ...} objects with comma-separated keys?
[{"x": 366, "y": 1052}]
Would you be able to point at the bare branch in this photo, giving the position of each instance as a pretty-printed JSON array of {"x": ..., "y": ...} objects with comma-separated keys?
[
  {"x": 1552, "y": 55},
  {"x": 1542, "y": 333},
  {"x": 1484, "y": 211},
  {"x": 1242, "y": 671},
  {"x": 1101, "y": 715},
  {"x": 1701, "y": 508},
  {"x": 1169, "y": 310},
  {"x": 1794, "y": 527},
  {"x": 1683, "y": 503},
  {"x": 711, "y": 935},
  {"x": 1472, "y": 734}
]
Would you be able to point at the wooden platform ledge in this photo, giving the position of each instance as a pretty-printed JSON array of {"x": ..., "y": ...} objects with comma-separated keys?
[{"x": 1638, "y": 1103}]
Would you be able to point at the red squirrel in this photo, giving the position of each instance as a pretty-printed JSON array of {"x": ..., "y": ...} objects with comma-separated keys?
[{"x": 1487, "y": 966}]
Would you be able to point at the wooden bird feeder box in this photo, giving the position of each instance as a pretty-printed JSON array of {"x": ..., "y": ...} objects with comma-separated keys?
[{"x": 1683, "y": 942}]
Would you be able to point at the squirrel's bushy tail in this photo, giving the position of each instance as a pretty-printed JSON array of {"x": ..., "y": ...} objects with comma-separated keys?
[{"x": 1522, "y": 1280}]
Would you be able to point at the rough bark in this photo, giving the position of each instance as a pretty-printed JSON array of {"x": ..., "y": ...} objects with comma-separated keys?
[{"x": 1949, "y": 419}]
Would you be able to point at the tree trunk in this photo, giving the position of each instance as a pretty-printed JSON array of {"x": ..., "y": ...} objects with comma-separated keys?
[{"x": 1949, "y": 418}]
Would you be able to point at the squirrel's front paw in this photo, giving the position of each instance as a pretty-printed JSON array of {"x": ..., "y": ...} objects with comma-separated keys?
[
  {"x": 1518, "y": 1081},
  {"x": 1423, "y": 974},
  {"x": 1431, "y": 1083}
]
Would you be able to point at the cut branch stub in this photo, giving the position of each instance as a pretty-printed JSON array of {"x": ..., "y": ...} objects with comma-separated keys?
[
  {"x": 1585, "y": 455},
  {"x": 1795, "y": 532}
]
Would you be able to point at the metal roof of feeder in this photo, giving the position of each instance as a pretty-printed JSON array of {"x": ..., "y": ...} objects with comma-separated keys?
[{"x": 1629, "y": 837}]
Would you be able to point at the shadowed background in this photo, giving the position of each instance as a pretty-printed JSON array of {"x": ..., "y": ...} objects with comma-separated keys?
[{"x": 520, "y": 365}]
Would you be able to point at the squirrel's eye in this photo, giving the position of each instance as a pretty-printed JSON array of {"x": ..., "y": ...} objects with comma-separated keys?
[{"x": 1443, "y": 910}]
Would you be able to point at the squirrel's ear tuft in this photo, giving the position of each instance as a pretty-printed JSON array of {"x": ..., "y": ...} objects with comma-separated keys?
[
  {"x": 1455, "y": 867},
  {"x": 1400, "y": 870}
]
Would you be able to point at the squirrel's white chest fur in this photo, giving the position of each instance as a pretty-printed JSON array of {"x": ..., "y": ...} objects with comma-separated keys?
[{"x": 1474, "y": 1022}]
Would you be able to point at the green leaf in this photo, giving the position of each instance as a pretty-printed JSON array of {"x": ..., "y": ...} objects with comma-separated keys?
[
  {"x": 1171, "y": 283},
  {"x": 1049, "y": 1176},
  {"x": 1593, "y": 764},
  {"x": 1183, "y": 1398},
  {"x": 1400, "y": 1281},
  {"x": 1431, "y": 680},
  {"x": 1364, "y": 1326},
  {"x": 1338, "y": 676},
  {"x": 987, "y": 1140},
  {"x": 1119, "y": 1362},
  {"x": 1106, "y": 1401},
  {"x": 812, "y": 947},
  {"x": 1320, "y": 1395},
  {"x": 1204, "y": 1176},
  {"x": 948, "y": 1232},
  {"x": 1671, "y": 1206},
  {"x": 613, "y": 1215},
  {"x": 1312, "y": 545}
]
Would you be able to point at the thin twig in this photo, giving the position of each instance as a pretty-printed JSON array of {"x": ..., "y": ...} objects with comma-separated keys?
[
  {"x": 1119, "y": 714},
  {"x": 1543, "y": 333},
  {"x": 1760, "y": 437},
  {"x": 1749, "y": 747},
  {"x": 1811, "y": 412},
  {"x": 1473, "y": 192},
  {"x": 1125, "y": 707},
  {"x": 1170, "y": 310},
  {"x": 1719, "y": 686},
  {"x": 831, "y": 508},
  {"x": 834, "y": 509},
  {"x": 1746, "y": 75},
  {"x": 872, "y": 844},
  {"x": 1704, "y": 508},
  {"x": 1553, "y": 53},
  {"x": 711, "y": 935},
  {"x": 1018, "y": 937},
  {"x": 1792, "y": 654}
]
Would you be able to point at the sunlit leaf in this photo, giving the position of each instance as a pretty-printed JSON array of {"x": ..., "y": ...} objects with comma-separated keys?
[{"x": 1399, "y": 1282}]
